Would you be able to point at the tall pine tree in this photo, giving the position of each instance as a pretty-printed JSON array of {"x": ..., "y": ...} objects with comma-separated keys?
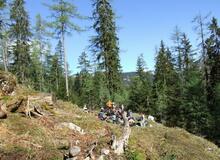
[
  {"x": 105, "y": 44},
  {"x": 62, "y": 14}
]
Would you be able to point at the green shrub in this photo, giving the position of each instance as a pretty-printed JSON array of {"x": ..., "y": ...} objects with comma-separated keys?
[{"x": 133, "y": 155}]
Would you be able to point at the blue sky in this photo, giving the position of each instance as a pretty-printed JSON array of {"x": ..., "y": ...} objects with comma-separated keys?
[{"x": 142, "y": 25}]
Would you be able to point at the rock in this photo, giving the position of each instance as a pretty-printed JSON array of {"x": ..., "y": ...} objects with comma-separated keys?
[
  {"x": 74, "y": 158},
  {"x": 105, "y": 151},
  {"x": 151, "y": 118},
  {"x": 209, "y": 149},
  {"x": 3, "y": 113},
  {"x": 73, "y": 127},
  {"x": 74, "y": 151},
  {"x": 101, "y": 157}
]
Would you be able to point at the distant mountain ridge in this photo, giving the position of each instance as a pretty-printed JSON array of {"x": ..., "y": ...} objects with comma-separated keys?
[{"x": 127, "y": 76}]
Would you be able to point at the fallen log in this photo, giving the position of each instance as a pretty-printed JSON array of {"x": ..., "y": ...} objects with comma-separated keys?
[{"x": 13, "y": 107}]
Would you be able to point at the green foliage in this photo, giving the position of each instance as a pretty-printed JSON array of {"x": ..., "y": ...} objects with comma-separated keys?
[
  {"x": 100, "y": 90},
  {"x": 2, "y": 3},
  {"x": 83, "y": 81},
  {"x": 35, "y": 70},
  {"x": 164, "y": 87},
  {"x": 195, "y": 115},
  {"x": 141, "y": 66},
  {"x": 63, "y": 13},
  {"x": 213, "y": 65},
  {"x": 133, "y": 155},
  {"x": 56, "y": 77},
  {"x": 40, "y": 49}
]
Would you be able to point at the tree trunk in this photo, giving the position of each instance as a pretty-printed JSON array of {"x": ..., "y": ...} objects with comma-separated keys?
[
  {"x": 5, "y": 54},
  {"x": 65, "y": 65},
  {"x": 42, "y": 68}
]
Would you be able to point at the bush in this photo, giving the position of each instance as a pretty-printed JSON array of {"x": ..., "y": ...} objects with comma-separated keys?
[
  {"x": 133, "y": 155},
  {"x": 170, "y": 157}
]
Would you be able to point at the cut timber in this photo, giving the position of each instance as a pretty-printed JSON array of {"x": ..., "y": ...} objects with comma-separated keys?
[
  {"x": 119, "y": 145},
  {"x": 90, "y": 151},
  {"x": 35, "y": 104},
  {"x": 42, "y": 98}
]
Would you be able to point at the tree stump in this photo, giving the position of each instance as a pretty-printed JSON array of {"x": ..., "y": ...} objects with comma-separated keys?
[{"x": 119, "y": 145}]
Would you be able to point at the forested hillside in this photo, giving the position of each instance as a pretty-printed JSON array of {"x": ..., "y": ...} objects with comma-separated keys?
[{"x": 182, "y": 91}]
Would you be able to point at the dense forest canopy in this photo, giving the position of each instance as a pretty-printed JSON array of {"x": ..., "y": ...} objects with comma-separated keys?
[{"x": 183, "y": 90}]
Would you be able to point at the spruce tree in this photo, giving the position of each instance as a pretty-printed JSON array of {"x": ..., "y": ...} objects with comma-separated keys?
[
  {"x": 84, "y": 63},
  {"x": 41, "y": 46},
  {"x": 164, "y": 89},
  {"x": 141, "y": 66},
  {"x": 105, "y": 44},
  {"x": 140, "y": 89},
  {"x": 20, "y": 34},
  {"x": 187, "y": 52},
  {"x": 194, "y": 113},
  {"x": 62, "y": 14}
]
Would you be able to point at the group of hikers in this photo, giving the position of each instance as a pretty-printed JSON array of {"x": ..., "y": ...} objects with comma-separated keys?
[{"x": 114, "y": 114}]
